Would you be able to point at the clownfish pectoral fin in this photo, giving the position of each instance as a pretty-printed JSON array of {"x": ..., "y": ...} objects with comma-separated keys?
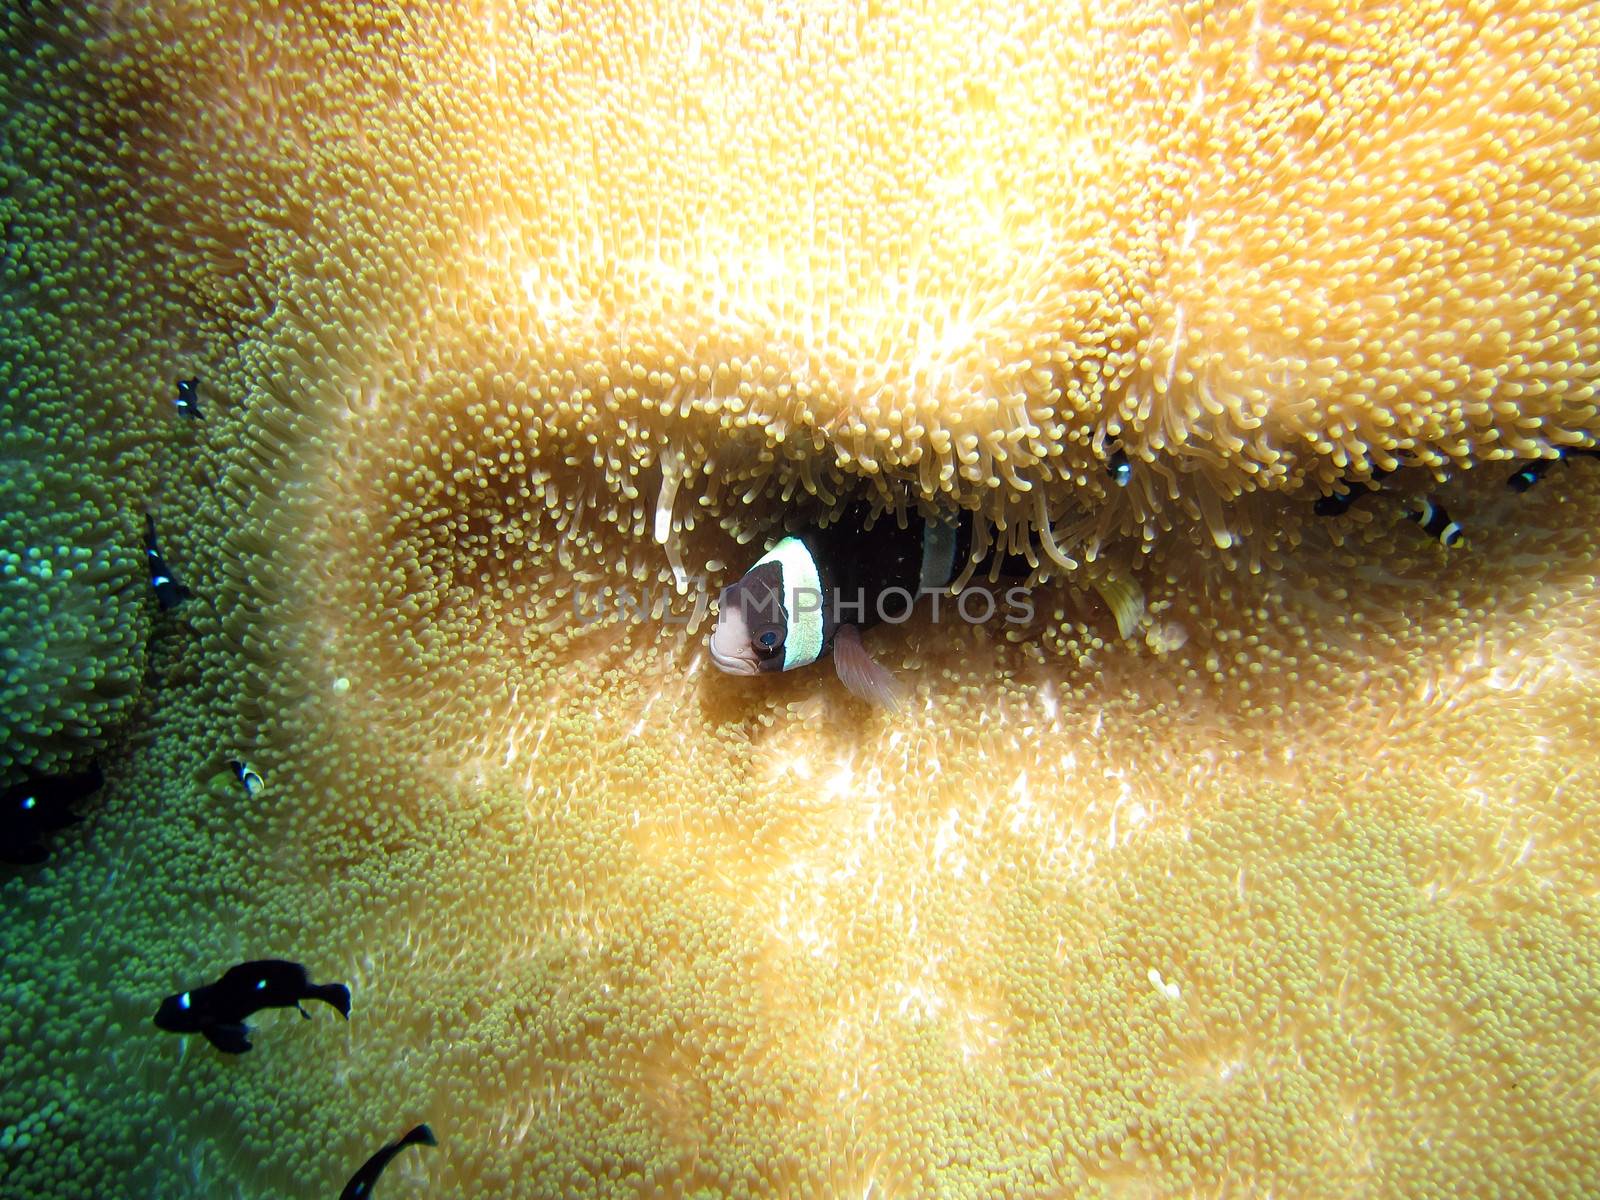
[{"x": 865, "y": 678}]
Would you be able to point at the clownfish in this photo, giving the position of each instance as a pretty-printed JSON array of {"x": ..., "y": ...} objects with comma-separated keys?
[
  {"x": 361, "y": 1183},
  {"x": 218, "y": 1009},
  {"x": 1436, "y": 523},
  {"x": 188, "y": 400},
  {"x": 814, "y": 592}
]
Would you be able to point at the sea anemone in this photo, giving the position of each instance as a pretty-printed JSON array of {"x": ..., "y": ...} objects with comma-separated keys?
[
  {"x": 70, "y": 652},
  {"x": 1260, "y": 860}
]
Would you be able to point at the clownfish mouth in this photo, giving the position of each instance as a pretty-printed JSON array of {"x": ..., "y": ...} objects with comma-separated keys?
[
  {"x": 733, "y": 664},
  {"x": 730, "y": 645}
]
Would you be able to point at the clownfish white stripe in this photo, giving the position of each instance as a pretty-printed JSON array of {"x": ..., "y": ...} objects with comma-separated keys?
[{"x": 802, "y": 600}]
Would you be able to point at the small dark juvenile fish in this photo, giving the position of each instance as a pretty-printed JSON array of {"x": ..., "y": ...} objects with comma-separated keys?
[
  {"x": 1119, "y": 468},
  {"x": 1436, "y": 523},
  {"x": 169, "y": 592},
  {"x": 1336, "y": 504},
  {"x": 361, "y": 1183},
  {"x": 247, "y": 775},
  {"x": 189, "y": 399},
  {"x": 218, "y": 1009},
  {"x": 37, "y": 807},
  {"x": 1529, "y": 473}
]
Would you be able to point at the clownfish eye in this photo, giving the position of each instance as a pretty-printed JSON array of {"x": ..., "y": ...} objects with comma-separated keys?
[{"x": 768, "y": 639}]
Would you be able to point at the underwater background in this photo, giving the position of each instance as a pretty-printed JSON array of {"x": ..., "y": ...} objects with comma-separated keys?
[{"x": 1262, "y": 860}]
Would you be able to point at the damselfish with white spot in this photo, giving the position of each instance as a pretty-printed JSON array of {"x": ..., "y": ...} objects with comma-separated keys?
[
  {"x": 1119, "y": 468},
  {"x": 169, "y": 592},
  {"x": 1337, "y": 503},
  {"x": 188, "y": 399},
  {"x": 1529, "y": 473},
  {"x": 218, "y": 1009},
  {"x": 37, "y": 807},
  {"x": 814, "y": 592}
]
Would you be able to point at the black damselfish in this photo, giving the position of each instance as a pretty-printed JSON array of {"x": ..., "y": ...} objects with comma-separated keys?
[
  {"x": 1119, "y": 468},
  {"x": 169, "y": 592},
  {"x": 218, "y": 1009},
  {"x": 1336, "y": 504},
  {"x": 36, "y": 807},
  {"x": 1529, "y": 473},
  {"x": 189, "y": 399},
  {"x": 1525, "y": 476},
  {"x": 361, "y": 1183}
]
